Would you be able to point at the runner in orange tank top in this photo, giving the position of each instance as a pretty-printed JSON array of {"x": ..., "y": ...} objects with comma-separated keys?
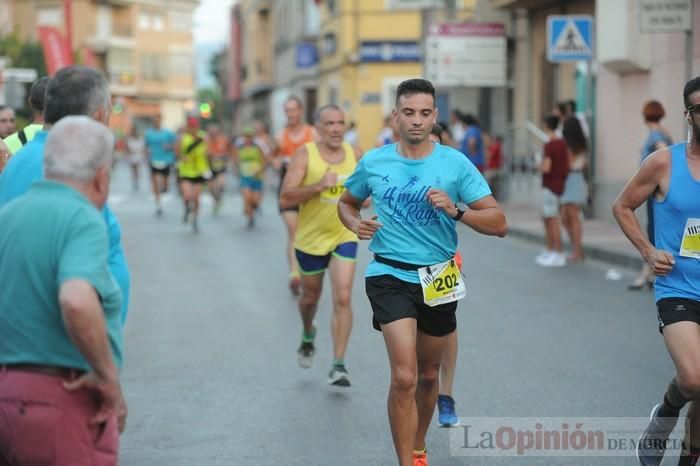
[
  {"x": 295, "y": 134},
  {"x": 219, "y": 152}
]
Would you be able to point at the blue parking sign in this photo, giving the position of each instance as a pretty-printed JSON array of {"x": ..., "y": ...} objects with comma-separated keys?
[{"x": 569, "y": 38}]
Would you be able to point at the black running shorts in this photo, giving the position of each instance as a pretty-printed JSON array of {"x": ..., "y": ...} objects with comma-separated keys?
[
  {"x": 393, "y": 299},
  {"x": 160, "y": 170},
  {"x": 672, "y": 310},
  {"x": 194, "y": 179}
]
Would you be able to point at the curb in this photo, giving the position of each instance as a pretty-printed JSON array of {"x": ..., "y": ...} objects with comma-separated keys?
[{"x": 592, "y": 252}]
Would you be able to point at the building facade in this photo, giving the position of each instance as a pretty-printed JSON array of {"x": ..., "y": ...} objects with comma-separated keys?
[
  {"x": 144, "y": 47},
  {"x": 629, "y": 68},
  {"x": 296, "y": 59},
  {"x": 257, "y": 29},
  {"x": 633, "y": 68},
  {"x": 366, "y": 49}
]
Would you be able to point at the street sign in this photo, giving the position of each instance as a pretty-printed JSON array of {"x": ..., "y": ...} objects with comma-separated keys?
[
  {"x": 389, "y": 51},
  {"x": 569, "y": 38},
  {"x": 307, "y": 55},
  {"x": 665, "y": 15},
  {"x": 466, "y": 54}
]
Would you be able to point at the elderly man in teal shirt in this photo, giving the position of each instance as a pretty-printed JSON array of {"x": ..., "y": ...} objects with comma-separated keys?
[
  {"x": 60, "y": 330},
  {"x": 75, "y": 90}
]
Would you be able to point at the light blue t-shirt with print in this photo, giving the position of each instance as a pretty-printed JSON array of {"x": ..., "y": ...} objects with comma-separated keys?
[
  {"x": 413, "y": 230},
  {"x": 161, "y": 146},
  {"x": 26, "y": 167}
]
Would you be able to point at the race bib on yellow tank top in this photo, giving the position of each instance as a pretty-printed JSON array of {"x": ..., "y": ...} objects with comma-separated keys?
[
  {"x": 442, "y": 283},
  {"x": 690, "y": 246},
  {"x": 332, "y": 195}
]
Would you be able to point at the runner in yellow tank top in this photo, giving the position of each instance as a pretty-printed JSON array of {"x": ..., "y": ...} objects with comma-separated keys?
[
  {"x": 191, "y": 151},
  {"x": 314, "y": 182}
]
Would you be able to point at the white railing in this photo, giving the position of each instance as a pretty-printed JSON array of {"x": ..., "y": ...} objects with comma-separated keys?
[{"x": 521, "y": 178}]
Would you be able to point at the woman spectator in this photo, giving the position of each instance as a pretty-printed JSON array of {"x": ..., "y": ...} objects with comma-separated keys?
[{"x": 575, "y": 193}]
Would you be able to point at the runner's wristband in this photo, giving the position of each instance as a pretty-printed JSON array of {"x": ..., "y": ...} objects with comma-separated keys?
[{"x": 459, "y": 215}]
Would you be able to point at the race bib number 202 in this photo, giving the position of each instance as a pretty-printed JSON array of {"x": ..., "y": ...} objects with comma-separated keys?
[{"x": 442, "y": 283}]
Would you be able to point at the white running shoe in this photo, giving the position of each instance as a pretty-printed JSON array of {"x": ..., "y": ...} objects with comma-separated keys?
[
  {"x": 542, "y": 255},
  {"x": 554, "y": 259}
]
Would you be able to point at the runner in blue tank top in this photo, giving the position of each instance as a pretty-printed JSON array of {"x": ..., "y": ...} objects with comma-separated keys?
[{"x": 672, "y": 176}]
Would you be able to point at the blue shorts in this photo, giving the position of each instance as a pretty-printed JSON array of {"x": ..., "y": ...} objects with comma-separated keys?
[
  {"x": 313, "y": 265},
  {"x": 254, "y": 184}
]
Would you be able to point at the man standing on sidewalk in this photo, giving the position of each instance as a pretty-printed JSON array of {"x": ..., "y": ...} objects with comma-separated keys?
[
  {"x": 670, "y": 178},
  {"x": 413, "y": 284},
  {"x": 60, "y": 335}
]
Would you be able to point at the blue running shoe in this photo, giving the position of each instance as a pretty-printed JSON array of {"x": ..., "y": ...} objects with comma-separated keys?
[{"x": 446, "y": 409}]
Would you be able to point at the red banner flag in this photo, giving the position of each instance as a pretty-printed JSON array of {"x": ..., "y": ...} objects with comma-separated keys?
[
  {"x": 57, "y": 53},
  {"x": 89, "y": 57}
]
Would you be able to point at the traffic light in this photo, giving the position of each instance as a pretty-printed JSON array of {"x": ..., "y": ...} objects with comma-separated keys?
[{"x": 205, "y": 110}]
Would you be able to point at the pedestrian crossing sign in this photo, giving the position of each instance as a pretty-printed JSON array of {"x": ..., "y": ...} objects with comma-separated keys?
[{"x": 569, "y": 38}]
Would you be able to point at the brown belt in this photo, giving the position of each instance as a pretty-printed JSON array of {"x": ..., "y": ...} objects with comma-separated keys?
[{"x": 56, "y": 371}]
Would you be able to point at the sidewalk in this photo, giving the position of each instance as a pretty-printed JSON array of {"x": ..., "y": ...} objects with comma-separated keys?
[{"x": 602, "y": 240}]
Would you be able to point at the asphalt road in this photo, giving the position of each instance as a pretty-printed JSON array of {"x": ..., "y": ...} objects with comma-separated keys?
[{"x": 211, "y": 376}]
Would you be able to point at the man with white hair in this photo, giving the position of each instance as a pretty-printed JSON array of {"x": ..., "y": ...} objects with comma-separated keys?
[
  {"x": 60, "y": 331},
  {"x": 74, "y": 90}
]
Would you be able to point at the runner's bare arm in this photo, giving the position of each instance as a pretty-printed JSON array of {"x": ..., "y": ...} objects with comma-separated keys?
[
  {"x": 358, "y": 153},
  {"x": 648, "y": 180},
  {"x": 178, "y": 148},
  {"x": 546, "y": 165},
  {"x": 265, "y": 162},
  {"x": 487, "y": 217},
  {"x": 349, "y": 213},
  {"x": 292, "y": 192}
]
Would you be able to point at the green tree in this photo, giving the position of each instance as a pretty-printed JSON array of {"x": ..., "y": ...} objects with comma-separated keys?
[
  {"x": 23, "y": 55},
  {"x": 216, "y": 63}
]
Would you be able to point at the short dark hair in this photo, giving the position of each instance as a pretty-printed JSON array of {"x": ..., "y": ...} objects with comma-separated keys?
[
  {"x": 75, "y": 90},
  {"x": 37, "y": 94},
  {"x": 445, "y": 128},
  {"x": 4, "y": 107},
  {"x": 415, "y": 86},
  {"x": 470, "y": 120},
  {"x": 320, "y": 110},
  {"x": 437, "y": 130},
  {"x": 653, "y": 111},
  {"x": 551, "y": 122},
  {"x": 572, "y": 105},
  {"x": 691, "y": 87},
  {"x": 573, "y": 135}
]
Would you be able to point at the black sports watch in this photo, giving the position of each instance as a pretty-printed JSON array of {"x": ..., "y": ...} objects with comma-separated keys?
[{"x": 459, "y": 215}]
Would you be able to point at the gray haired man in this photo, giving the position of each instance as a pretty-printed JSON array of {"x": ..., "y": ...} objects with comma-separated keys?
[{"x": 60, "y": 335}]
